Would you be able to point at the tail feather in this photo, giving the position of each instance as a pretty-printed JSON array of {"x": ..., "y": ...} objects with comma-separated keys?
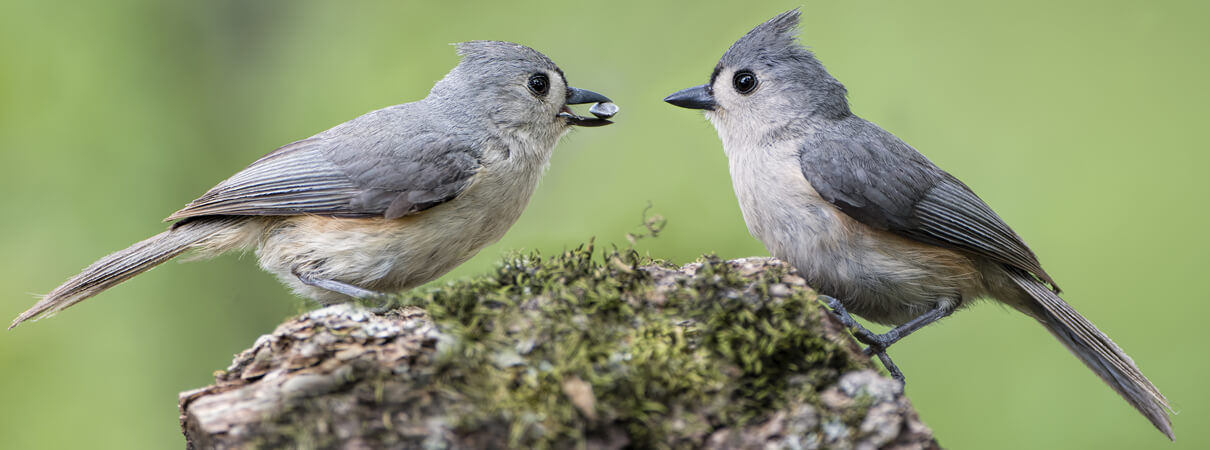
[
  {"x": 123, "y": 265},
  {"x": 1099, "y": 353}
]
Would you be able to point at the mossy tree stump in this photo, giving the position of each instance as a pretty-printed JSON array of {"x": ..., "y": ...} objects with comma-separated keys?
[{"x": 572, "y": 351}]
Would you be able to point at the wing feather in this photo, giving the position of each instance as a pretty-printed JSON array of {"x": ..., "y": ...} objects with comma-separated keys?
[
  {"x": 295, "y": 179},
  {"x": 376, "y": 172},
  {"x": 884, "y": 183}
]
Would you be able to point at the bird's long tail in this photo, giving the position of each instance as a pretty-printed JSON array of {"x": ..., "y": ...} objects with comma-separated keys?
[
  {"x": 138, "y": 258},
  {"x": 1097, "y": 352}
]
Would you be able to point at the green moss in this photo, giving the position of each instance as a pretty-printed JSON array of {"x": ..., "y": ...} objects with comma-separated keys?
[{"x": 667, "y": 366}]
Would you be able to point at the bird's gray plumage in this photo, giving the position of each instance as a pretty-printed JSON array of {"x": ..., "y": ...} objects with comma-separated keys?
[
  {"x": 871, "y": 221},
  {"x": 381, "y": 171},
  {"x": 384, "y": 202},
  {"x": 391, "y": 162},
  {"x": 887, "y": 185}
]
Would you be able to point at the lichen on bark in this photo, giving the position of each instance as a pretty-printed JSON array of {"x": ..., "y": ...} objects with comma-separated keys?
[{"x": 584, "y": 349}]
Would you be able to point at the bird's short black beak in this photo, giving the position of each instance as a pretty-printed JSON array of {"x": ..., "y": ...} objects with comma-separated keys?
[
  {"x": 581, "y": 96},
  {"x": 697, "y": 97}
]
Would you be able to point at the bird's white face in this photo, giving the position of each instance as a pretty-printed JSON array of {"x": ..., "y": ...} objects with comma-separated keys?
[
  {"x": 539, "y": 95},
  {"x": 534, "y": 105},
  {"x": 517, "y": 93},
  {"x": 528, "y": 104},
  {"x": 511, "y": 86},
  {"x": 747, "y": 106},
  {"x": 734, "y": 90}
]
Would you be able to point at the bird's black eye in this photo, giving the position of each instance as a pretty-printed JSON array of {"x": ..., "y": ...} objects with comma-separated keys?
[
  {"x": 539, "y": 84},
  {"x": 744, "y": 82}
]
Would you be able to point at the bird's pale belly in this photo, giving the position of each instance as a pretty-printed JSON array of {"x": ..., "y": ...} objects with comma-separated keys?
[
  {"x": 876, "y": 274},
  {"x": 383, "y": 255}
]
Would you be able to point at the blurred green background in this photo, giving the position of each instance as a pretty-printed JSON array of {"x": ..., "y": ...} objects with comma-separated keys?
[{"x": 1081, "y": 123}]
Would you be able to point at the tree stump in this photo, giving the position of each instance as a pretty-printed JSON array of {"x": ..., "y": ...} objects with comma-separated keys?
[{"x": 586, "y": 349}]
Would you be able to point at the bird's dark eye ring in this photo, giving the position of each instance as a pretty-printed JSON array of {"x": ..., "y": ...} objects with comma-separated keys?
[
  {"x": 539, "y": 84},
  {"x": 745, "y": 82}
]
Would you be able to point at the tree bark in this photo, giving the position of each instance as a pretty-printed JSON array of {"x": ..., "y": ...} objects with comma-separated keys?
[{"x": 579, "y": 350}]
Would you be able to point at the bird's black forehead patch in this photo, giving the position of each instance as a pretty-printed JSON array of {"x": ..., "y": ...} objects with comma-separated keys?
[
  {"x": 566, "y": 85},
  {"x": 713, "y": 75}
]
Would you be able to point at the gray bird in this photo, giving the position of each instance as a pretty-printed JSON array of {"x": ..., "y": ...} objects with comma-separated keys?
[
  {"x": 870, "y": 222},
  {"x": 384, "y": 202}
]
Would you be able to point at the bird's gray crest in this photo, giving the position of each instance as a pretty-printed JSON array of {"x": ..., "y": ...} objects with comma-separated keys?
[
  {"x": 773, "y": 47},
  {"x": 488, "y": 64},
  {"x": 500, "y": 52},
  {"x": 776, "y": 39}
]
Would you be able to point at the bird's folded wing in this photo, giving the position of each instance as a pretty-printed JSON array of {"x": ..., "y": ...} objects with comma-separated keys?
[
  {"x": 885, "y": 184},
  {"x": 345, "y": 176}
]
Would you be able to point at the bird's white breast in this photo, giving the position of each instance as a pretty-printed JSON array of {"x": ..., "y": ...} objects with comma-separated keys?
[
  {"x": 391, "y": 255},
  {"x": 876, "y": 274}
]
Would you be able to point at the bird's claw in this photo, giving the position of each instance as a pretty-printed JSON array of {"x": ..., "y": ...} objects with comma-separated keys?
[{"x": 876, "y": 343}]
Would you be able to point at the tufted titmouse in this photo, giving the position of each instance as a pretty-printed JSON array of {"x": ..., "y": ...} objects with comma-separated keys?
[
  {"x": 384, "y": 202},
  {"x": 869, "y": 221}
]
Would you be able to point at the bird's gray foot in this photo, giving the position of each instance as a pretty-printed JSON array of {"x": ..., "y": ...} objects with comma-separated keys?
[
  {"x": 341, "y": 287},
  {"x": 878, "y": 343}
]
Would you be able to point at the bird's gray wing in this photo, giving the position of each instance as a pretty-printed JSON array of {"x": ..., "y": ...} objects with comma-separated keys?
[
  {"x": 884, "y": 183},
  {"x": 358, "y": 175}
]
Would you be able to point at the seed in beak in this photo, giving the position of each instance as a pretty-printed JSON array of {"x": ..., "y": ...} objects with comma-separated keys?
[{"x": 603, "y": 110}]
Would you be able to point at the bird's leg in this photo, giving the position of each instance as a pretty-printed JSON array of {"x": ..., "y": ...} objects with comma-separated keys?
[
  {"x": 878, "y": 343},
  {"x": 863, "y": 335},
  {"x": 341, "y": 287}
]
